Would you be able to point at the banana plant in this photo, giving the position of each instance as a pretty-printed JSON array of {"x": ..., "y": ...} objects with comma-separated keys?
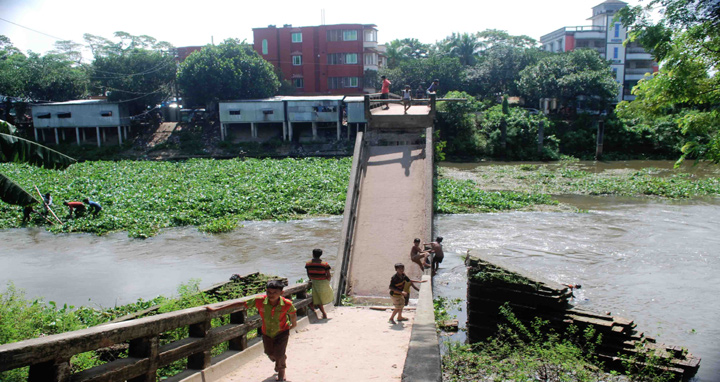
[{"x": 19, "y": 150}]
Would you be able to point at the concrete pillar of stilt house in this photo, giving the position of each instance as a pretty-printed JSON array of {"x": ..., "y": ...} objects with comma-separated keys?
[
  {"x": 104, "y": 135},
  {"x": 253, "y": 130},
  {"x": 57, "y": 139},
  {"x": 84, "y": 137},
  {"x": 36, "y": 134},
  {"x": 125, "y": 129},
  {"x": 284, "y": 131},
  {"x": 222, "y": 131},
  {"x": 339, "y": 130},
  {"x": 119, "y": 135},
  {"x": 348, "y": 131},
  {"x": 63, "y": 134},
  {"x": 77, "y": 135},
  {"x": 290, "y": 131},
  {"x": 42, "y": 135},
  {"x": 97, "y": 134},
  {"x": 314, "y": 129}
]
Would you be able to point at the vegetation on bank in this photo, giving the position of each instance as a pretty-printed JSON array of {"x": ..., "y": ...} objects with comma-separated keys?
[
  {"x": 144, "y": 197},
  {"x": 521, "y": 352},
  {"x": 21, "y": 318},
  {"x": 570, "y": 177}
]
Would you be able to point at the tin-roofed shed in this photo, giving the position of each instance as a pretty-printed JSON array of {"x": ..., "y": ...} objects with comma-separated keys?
[
  {"x": 267, "y": 113},
  {"x": 82, "y": 118},
  {"x": 355, "y": 111},
  {"x": 314, "y": 110}
]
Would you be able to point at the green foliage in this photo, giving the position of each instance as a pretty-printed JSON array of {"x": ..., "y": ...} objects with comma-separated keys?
[
  {"x": 230, "y": 70},
  {"x": 422, "y": 71},
  {"x": 522, "y": 133},
  {"x": 22, "y": 319},
  {"x": 441, "y": 306},
  {"x": 522, "y": 352},
  {"x": 456, "y": 123},
  {"x": 140, "y": 78},
  {"x": 52, "y": 77},
  {"x": 143, "y": 197},
  {"x": 686, "y": 90},
  {"x": 568, "y": 77},
  {"x": 454, "y": 196}
]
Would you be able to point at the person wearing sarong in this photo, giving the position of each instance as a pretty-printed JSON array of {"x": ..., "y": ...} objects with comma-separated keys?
[{"x": 319, "y": 273}]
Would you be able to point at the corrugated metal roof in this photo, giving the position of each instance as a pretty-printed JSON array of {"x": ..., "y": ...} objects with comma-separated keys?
[{"x": 76, "y": 102}]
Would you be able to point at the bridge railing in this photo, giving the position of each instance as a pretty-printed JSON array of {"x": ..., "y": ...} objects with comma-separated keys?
[
  {"x": 349, "y": 218},
  {"x": 49, "y": 357}
]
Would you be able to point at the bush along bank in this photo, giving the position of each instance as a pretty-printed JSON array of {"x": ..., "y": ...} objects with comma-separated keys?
[{"x": 22, "y": 318}]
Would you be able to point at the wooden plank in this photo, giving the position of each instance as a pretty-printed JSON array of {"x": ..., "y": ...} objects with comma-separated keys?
[{"x": 119, "y": 370}]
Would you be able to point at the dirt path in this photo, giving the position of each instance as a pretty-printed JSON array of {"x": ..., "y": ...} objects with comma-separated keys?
[
  {"x": 391, "y": 214},
  {"x": 354, "y": 344}
]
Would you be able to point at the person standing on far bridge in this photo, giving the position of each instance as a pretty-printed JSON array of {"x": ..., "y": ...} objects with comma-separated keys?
[
  {"x": 319, "y": 272},
  {"x": 432, "y": 90},
  {"x": 385, "y": 90}
]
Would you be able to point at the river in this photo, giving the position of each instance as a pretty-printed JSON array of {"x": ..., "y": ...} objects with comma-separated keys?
[{"x": 650, "y": 260}]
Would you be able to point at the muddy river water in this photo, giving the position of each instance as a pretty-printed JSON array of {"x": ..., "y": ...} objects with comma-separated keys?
[{"x": 656, "y": 262}]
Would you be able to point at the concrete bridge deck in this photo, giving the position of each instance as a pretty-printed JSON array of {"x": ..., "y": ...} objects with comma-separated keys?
[{"x": 353, "y": 344}]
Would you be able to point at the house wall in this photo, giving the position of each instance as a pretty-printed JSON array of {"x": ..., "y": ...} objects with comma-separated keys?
[
  {"x": 81, "y": 115},
  {"x": 252, "y": 111},
  {"x": 312, "y": 111}
]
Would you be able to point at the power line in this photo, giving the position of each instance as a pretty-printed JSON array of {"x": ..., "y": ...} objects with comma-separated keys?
[{"x": 34, "y": 30}]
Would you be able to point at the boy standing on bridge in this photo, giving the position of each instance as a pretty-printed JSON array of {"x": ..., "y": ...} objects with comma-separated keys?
[
  {"x": 418, "y": 256},
  {"x": 437, "y": 251},
  {"x": 400, "y": 291}
]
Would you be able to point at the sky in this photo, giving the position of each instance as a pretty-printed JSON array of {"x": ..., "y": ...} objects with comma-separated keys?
[{"x": 185, "y": 23}]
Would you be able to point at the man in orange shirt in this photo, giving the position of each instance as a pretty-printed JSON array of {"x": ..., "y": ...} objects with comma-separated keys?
[
  {"x": 275, "y": 312},
  {"x": 385, "y": 90}
]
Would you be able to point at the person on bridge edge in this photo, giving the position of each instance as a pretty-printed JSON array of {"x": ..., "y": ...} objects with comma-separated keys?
[
  {"x": 385, "y": 90},
  {"x": 400, "y": 291},
  {"x": 418, "y": 256},
  {"x": 437, "y": 251},
  {"x": 319, "y": 273},
  {"x": 432, "y": 90},
  {"x": 406, "y": 97}
]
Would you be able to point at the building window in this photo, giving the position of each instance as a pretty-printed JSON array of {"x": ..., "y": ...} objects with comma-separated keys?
[
  {"x": 297, "y": 60},
  {"x": 106, "y": 113},
  {"x": 43, "y": 116},
  {"x": 264, "y": 46},
  {"x": 299, "y": 83},
  {"x": 349, "y": 35},
  {"x": 64, "y": 115},
  {"x": 617, "y": 30},
  {"x": 370, "y": 59},
  {"x": 615, "y": 52},
  {"x": 351, "y": 82},
  {"x": 234, "y": 112},
  {"x": 615, "y": 72},
  {"x": 334, "y": 35},
  {"x": 334, "y": 58},
  {"x": 370, "y": 35},
  {"x": 297, "y": 37},
  {"x": 351, "y": 58}
]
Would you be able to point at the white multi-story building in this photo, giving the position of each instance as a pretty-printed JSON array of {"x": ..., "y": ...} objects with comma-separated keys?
[{"x": 629, "y": 63}]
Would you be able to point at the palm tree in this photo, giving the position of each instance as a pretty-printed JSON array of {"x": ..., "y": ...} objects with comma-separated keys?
[
  {"x": 465, "y": 47},
  {"x": 16, "y": 149}
]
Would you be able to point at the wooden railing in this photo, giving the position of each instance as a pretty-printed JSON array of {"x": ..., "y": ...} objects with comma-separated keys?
[
  {"x": 349, "y": 218},
  {"x": 49, "y": 357}
]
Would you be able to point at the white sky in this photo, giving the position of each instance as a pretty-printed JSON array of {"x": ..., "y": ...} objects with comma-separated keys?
[{"x": 195, "y": 23}]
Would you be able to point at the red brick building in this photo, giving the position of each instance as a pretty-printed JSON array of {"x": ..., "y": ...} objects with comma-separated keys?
[{"x": 325, "y": 59}]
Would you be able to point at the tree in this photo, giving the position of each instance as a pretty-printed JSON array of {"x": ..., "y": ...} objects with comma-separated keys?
[
  {"x": 137, "y": 70},
  {"x": 464, "y": 46},
  {"x": 495, "y": 37},
  {"x": 498, "y": 69},
  {"x": 686, "y": 42},
  {"x": 230, "y": 70},
  {"x": 569, "y": 77},
  {"x": 52, "y": 77},
  {"x": 422, "y": 71}
]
